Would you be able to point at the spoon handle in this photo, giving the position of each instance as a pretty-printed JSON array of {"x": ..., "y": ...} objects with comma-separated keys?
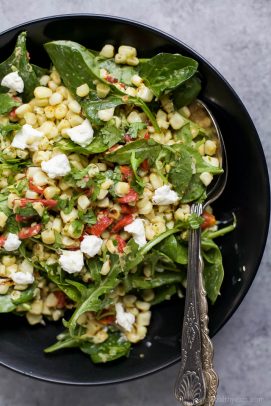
[
  {"x": 190, "y": 387},
  {"x": 210, "y": 375}
]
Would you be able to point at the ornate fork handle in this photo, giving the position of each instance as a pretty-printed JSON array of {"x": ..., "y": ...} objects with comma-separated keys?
[
  {"x": 190, "y": 387},
  {"x": 211, "y": 377}
]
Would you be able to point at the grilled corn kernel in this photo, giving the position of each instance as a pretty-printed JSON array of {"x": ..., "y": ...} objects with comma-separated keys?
[
  {"x": 48, "y": 237},
  {"x": 134, "y": 117},
  {"x": 176, "y": 121},
  {"x": 143, "y": 306},
  {"x": 145, "y": 93},
  {"x": 75, "y": 120},
  {"x": 143, "y": 318},
  {"x": 57, "y": 225},
  {"x": 21, "y": 110},
  {"x": 83, "y": 90},
  {"x": 107, "y": 184},
  {"x": 112, "y": 248},
  {"x": 201, "y": 149},
  {"x": 210, "y": 147},
  {"x": 39, "y": 208},
  {"x": 120, "y": 59},
  {"x": 206, "y": 178},
  {"x": 122, "y": 188},
  {"x": 102, "y": 90},
  {"x": 74, "y": 106},
  {"x": 49, "y": 112},
  {"x": 105, "y": 268},
  {"x": 8, "y": 260},
  {"x": 60, "y": 111},
  {"x": 42, "y": 92},
  {"x": 55, "y": 99},
  {"x": 51, "y": 300},
  {"x": 33, "y": 318},
  {"x": 103, "y": 203},
  {"x": 30, "y": 118},
  {"x": 44, "y": 80},
  {"x": 106, "y": 114},
  {"x": 107, "y": 51},
  {"x": 73, "y": 215},
  {"x": 3, "y": 219},
  {"x": 136, "y": 80},
  {"x": 102, "y": 194},
  {"x": 40, "y": 179},
  {"x": 156, "y": 181},
  {"x": 11, "y": 198},
  {"x": 83, "y": 202},
  {"x": 148, "y": 295},
  {"x": 51, "y": 191}
]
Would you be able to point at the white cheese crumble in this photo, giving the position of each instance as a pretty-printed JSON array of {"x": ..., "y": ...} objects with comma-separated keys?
[
  {"x": 81, "y": 134},
  {"x": 27, "y": 137},
  {"x": 57, "y": 166},
  {"x": 22, "y": 278},
  {"x": 124, "y": 319},
  {"x": 136, "y": 228},
  {"x": 12, "y": 242},
  {"x": 71, "y": 261},
  {"x": 91, "y": 245},
  {"x": 14, "y": 82},
  {"x": 164, "y": 195}
]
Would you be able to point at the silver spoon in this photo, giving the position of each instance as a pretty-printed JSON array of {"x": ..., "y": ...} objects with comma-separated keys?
[{"x": 197, "y": 381}]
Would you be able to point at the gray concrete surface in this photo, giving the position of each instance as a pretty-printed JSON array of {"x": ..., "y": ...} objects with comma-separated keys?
[{"x": 236, "y": 37}]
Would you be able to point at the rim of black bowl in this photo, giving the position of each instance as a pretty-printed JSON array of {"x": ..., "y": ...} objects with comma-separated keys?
[{"x": 198, "y": 57}]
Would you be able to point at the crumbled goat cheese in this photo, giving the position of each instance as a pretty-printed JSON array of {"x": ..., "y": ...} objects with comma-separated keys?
[
  {"x": 71, "y": 261},
  {"x": 124, "y": 319},
  {"x": 14, "y": 82},
  {"x": 12, "y": 242},
  {"x": 81, "y": 134},
  {"x": 136, "y": 228},
  {"x": 22, "y": 278},
  {"x": 27, "y": 137},
  {"x": 91, "y": 245},
  {"x": 57, "y": 166},
  {"x": 164, "y": 195}
]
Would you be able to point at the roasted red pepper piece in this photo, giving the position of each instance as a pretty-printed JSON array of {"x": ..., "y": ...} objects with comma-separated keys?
[
  {"x": 102, "y": 224},
  {"x": 27, "y": 232},
  {"x": 2, "y": 240},
  {"x": 124, "y": 221},
  {"x": 121, "y": 243},
  {"x": 50, "y": 203},
  {"x": 145, "y": 165},
  {"x": 127, "y": 138},
  {"x": 209, "y": 220},
  {"x": 34, "y": 187},
  {"x": 147, "y": 136},
  {"x": 61, "y": 299},
  {"x": 126, "y": 209},
  {"x": 107, "y": 320},
  {"x": 126, "y": 172},
  {"x": 132, "y": 196}
]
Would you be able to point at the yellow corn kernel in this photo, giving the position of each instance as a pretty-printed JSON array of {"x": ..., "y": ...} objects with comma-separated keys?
[
  {"x": 148, "y": 295},
  {"x": 11, "y": 198},
  {"x": 73, "y": 215},
  {"x": 127, "y": 51},
  {"x": 74, "y": 106},
  {"x": 36, "y": 307},
  {"x": 167, "y": 104},
  {"x": 120, "y": 59},
  {"x": 83, "y": 90},
  {"x": 52, "y": 85},
  {"x": 55, "y": 77},
  {"x": 184, "y": 111},
  {"x": 33, "y": 319},
  {"x": 144, "y": 206},
  {"x": 102, "y": 90},
  {"x": 106, "y": 114},
  {"x": 21, "y": 110},
  {"x": 145, "y": 93},
  {"x": 103, "y": 203},
  {"x": 206, "y": 178},
  {"x": 75, "y": 120},
  {"x": 100, "y": 337},
  {"x": 107, "y": 51},
  {"x": 42, "y": 92},
  {"x": 57, "y": 225},
  {"x": 107, "y": 184},
  {"x": 136, "y": 80},
  {"x": 49, "y": 112},
  {"x": 51, "y": 191},
  {"x": 3, "y": 219},
  {"x": 143, "y": 306},
  {"x": 40, "y": 179},
  {"x": 63, "y": 91},
  {"x": 55, "y": 99},
  {"x": 105, "y": 268},
  {"x": 156, "y": 181},
  {"x": 8, "y": 260},
  {"x": 48, "y": 237},
  {"x": 44, "y": 80},
  {"x": 122, "y": 188},
  {"x": 210, "y": 147},
  {"x": 60, "y": 111},
  {"x": 112, "y": 248},
  {"x": 129, "y": 300},
  {"x": 176, "y": 121},
  {"x": 143, "y": 319},
  {"x": 51, "y": 300},
  {"x": 134, "y": 117},
  {"x": 201, "y": 149},
  {"x": 133, "y": 61},
  {"x": 30, "y": 118}
]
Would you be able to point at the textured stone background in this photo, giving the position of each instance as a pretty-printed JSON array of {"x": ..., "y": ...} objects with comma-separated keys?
[{"x": 235, "y": 36}]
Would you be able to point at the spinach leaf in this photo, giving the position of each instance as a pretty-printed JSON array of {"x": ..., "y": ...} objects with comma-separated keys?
[
  {"x": 121, "y": 72},
  {"x": 135, "y": 163},
  {"x": 7, "y": 103},
  {"x": 213, "y": 271},
  {"x": 67, "y": 342},
  {"x": 75, "y": 64},
  {"x": 186, "y": 93},
  {"x": 196, "y": 191},
  {"x": 92, "y": 104},
  {"x": 160, "y": 279},
  {"x": 19, "y": 61},
  {"x": 114, "y": 347},
  {"x": 167, "y": 71},
  {"x": 142, "y": 149},
  {"x": 176, "y": 251},
  {"x": 181, "y": 173},
  {"x": 94, "y": 266}
]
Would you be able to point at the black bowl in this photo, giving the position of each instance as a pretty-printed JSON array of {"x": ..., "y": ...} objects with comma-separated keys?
[{"x": 246, "y": 194}]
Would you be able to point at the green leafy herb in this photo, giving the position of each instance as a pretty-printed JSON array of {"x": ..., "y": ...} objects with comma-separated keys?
[
  {"x": 167, "y": 71},
  {"x": 174, "y": 250},
  {"x": 27, "y": 211},
  {"x": 134, "y": 128},
  {"x": 7, "y": 103},
  {"x": 142, "y": 149},
  {"x": 77, "y": 226},
  {"x": 88, "y": 218},
  {"x": 186, "y": 93}
]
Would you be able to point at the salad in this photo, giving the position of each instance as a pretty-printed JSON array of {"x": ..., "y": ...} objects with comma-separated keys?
[{"x": 101, "y": 157}]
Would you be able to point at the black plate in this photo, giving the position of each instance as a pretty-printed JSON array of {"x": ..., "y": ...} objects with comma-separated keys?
[{"x": 247, "y": 194}]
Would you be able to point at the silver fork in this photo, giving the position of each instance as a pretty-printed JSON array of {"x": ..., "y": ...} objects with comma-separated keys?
[{"x": 197, "y": 380}]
